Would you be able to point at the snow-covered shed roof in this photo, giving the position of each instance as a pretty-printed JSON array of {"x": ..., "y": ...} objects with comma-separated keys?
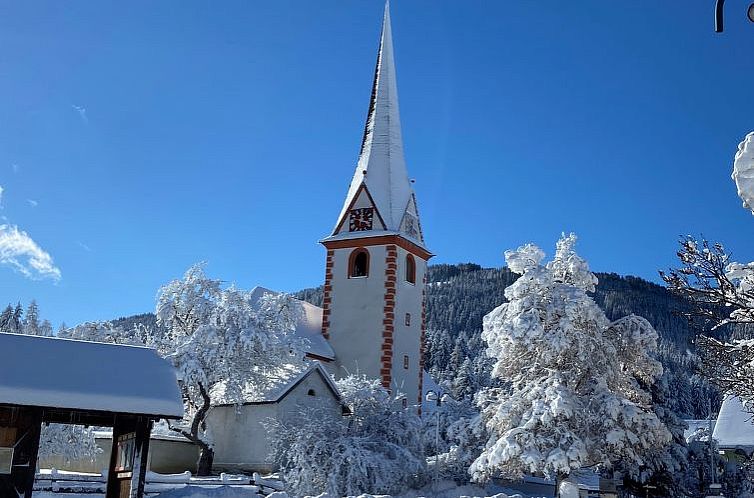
[
  {"x": 80, "y": 375},
  {"x": 734, "y": 428},
  {"x": 309, "y": 325},
  {"x": 284, "y": 383}
]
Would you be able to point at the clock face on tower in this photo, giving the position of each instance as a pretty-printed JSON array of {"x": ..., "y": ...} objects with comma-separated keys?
[{"x": 360, "y": 219}]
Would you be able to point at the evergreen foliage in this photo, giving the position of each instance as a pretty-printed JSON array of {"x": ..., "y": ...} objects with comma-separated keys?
[
  {"x": 459, "y": 295},
  {"x": 578, "y": 394}
]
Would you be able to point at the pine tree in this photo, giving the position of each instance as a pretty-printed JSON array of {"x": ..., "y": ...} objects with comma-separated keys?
[
  {"x": 6, "y": 317},
  {"x": 45, "y": 328},
  {"x": 16, "y": 322},
  {"x": 31, "y": 320},
  {"x": 576, "y": 397}
]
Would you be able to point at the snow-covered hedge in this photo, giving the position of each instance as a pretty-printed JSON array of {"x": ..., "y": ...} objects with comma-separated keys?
[{"x": 376, "y": 449}]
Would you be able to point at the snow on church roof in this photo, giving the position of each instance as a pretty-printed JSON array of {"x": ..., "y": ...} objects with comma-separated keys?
[
  {"x": 281, "y": 383},
  {"x": 381, "y": 165},
  {"x": 309, "y": 325},
  {"x": 734, "y": 428},
  {"x": 70, "y": 374}
]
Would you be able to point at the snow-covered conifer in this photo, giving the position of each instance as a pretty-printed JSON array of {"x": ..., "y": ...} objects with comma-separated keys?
[
  {"x": 30, "y": 324},
  {"x": 576, "y": 396},
  {"x": 664, "y": 467}
]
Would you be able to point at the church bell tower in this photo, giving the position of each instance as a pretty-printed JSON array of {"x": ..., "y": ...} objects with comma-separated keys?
[{"x": 375, "y": 278}]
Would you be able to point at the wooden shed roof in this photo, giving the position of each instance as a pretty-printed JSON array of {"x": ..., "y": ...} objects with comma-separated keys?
[{"x": 86, "y": 376}]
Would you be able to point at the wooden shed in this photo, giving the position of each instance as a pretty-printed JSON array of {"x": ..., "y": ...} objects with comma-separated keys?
[{"x": 44, "y": 379}]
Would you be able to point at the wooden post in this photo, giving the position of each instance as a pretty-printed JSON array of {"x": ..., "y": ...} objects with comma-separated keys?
[
  {"x": 122, "y": 425},
  {"x": 21, "y": 429},
  {"x": 26, "y": 452},
  {"x": 127, "y": 472},
  {"x": 141, "y": 453}
]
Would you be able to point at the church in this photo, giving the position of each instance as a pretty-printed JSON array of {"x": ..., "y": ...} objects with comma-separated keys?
[{"x": 373, "y": 315}]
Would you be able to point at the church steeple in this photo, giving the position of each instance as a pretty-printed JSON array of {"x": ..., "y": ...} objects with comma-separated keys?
[
  {"x": 380, "y": 197},
  {"x": 373, "y": 308}
]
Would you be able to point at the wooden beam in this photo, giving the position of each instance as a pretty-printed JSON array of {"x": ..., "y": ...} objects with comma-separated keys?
[{"x": 140, "y": 456}]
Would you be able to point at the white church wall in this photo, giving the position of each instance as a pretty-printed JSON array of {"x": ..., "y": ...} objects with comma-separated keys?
[
  {"x": 407, "y": 338},
  {"x": 241, "y": 441},
  {"x": 357, "y": 314},
  {"x": 289, "y": 408}
]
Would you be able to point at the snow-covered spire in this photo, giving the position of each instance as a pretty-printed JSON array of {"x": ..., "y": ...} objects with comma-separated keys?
[{"x": 380, "y": 176}]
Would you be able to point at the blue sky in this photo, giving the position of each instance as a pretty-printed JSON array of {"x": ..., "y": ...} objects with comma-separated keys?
[{"x": 139, "y": 137}]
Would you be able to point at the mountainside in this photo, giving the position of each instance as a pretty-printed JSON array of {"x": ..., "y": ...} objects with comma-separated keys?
[{"x": 458, "y": 296}]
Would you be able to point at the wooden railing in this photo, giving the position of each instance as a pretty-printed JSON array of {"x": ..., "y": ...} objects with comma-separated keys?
[{"x": 84, "y": 483}]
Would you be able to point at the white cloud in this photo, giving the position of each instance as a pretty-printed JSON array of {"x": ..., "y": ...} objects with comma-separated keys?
[
  {"x": 82, "y": 113},
  {"x": 84, "y": 246},
  {"x": 32, "y": 203},
  {"x": 1, "y": 196},
  {"x": 21, "y": 253}
]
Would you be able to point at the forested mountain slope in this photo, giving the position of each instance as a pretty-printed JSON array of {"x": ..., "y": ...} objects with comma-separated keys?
[{"x": 460, "y": 295}]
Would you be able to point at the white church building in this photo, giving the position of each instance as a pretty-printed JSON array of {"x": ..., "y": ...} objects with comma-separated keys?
[{"x": 373, "y": 316}]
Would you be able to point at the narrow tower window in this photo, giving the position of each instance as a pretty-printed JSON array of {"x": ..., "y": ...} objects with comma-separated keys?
[
  {"x": 408, "y": 319},
  {"x": 359, "y": 263},
  {"x": 405, "y": 361},
  {"x": 410, "y": 269}
]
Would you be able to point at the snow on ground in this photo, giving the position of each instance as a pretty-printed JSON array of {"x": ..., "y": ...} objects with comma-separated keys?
[
  {"x": 220, "y": 492},
  {"x": 443, "y": 489},
  {"x": 185, "y": 492}
]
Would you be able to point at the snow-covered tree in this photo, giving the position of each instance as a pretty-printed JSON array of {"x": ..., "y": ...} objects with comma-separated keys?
[
  {"x": 219, "y": 339},
  {"x": 743, "y": 171},
  {"x": 577, "y": 396},
  {"x": 30, "y": 324},
  {"x": 11, "y": 319},
  {"x": 721, "y": 292},
  {"x": 461, "y": 438},
  {"x": 376, "y": 449},
  {"x": 101, "y": 332},
  {"x": 664, "y": 467},
  {"x": 73, "y": 443}
]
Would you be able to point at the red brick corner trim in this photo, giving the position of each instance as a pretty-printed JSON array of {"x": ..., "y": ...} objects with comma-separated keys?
[
  {"x": 421, "y": 341},
  {"x": 388, "y": 321},
  {"x": 327, "y": 299}
]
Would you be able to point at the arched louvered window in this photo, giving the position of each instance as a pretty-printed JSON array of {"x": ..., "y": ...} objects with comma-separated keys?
[
  {"x": 410, "y": 269},
  {"x": 358, "y": 264}
]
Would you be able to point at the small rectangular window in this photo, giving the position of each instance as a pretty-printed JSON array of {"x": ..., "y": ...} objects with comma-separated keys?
[
  {"x": 408, "y": 319},
  {"x": 405, "y": 361},
  {"x": 404, "y": 402}
]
